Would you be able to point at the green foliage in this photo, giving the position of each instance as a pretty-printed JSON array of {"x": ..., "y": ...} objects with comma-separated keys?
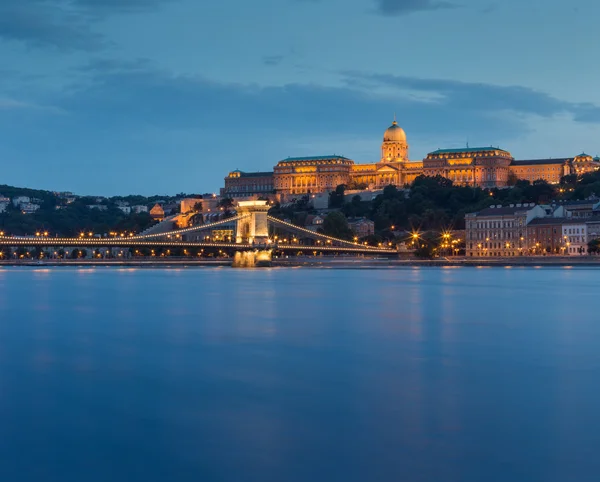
[
  {"x": 430, "y": 203},
  {"x": 71, "y": 219},
  {"x": 335, "y": 224},
  {"x": 426, "y": 246},
  {"x": 594, "y": 246},
  {"x": 336, "y": 198},
  {"x": 357, "y": 208}
]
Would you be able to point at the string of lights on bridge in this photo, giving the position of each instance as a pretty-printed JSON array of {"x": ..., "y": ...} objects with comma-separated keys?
[
  {"x": 42, "y": 239},
  {"x": 312, "y": 233}
]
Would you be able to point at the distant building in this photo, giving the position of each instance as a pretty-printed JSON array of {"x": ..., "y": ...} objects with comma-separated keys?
[
  {"x": 586, "y": 208},
  {"x": 29, "y": 208},
  {"x": 549, "y": 170},
  {"x": 17, "y": 201},
  {"x": 500, "y": 231},
  {"x": 313, "y": 222},
  {"x": 3, "y": 206},
  {"x": 99, "y": 207},
  {"x": 487, "y": 167},
  {"x": 304, "y": 175},
  {"x": 170, "y": 208},
  {"x": 157, "y": 212},
  {"x": 246, "y": 185},
  {"x": 139, "y": 209},
  {"x": 125, "y": 209},
  {"x": 362, "y": 227},
  {"x": 575, "y": 234},
  {"x": 189, "y": 204},
  {"x": 545, "y": 235}
]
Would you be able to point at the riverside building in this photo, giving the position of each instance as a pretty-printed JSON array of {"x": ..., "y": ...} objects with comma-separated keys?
[{"x": 529, "y": 229}]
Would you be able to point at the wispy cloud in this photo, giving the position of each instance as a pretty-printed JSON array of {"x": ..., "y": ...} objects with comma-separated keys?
[
  {"x": 8, "y": 104},
  {"x": 63, "y": 24},
  {"x": 132, "y": 113},
  {"x": 468, "y": 97},
  {"x": 405, "y": 7},
  {"x": 272, "y": 60}
]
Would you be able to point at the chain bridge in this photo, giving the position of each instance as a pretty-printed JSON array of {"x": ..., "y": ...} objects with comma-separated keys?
[{"x": 252, "y": 229}]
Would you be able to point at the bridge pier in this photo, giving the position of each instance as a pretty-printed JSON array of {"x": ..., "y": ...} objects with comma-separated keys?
[{"x": 253, "y": 225}]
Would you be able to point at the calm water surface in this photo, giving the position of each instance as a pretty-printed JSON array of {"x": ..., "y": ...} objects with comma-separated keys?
[{"x": 296, "y": 375}]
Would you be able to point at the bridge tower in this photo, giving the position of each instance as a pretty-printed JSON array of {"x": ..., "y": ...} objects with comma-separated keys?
[{"x": 253, "y": 225}]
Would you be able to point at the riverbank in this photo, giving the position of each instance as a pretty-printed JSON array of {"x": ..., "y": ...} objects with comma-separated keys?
[
  {"x": 321, "y": 262},
  {"x": 130, "y": 263},
  {"x": 338, "y": 262}
]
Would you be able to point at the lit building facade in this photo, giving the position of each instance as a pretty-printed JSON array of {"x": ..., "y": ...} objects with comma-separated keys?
[
  {"x": 479, "y": 166},
  {"x": 527, "y": 229},
  {"x": 247, "y": 185},
  {"x": 549, "y": 170},
  {"x": 500, "y": 231},
  {"x": 486, "y": 167},
  {"x": 304, "y": 175}
]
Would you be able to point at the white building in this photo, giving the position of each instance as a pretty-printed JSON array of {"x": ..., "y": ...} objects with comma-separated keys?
[
  {"x": 29, "y": 208},
  {"x": 99, "y": 207},
  {"x": 20, "y": 200},
  {"x": 125, "y": 209},
  {"x": 139, "y": 209},
  {"x": 3, "y": 206},
  {"x": 576, "y": 238}
]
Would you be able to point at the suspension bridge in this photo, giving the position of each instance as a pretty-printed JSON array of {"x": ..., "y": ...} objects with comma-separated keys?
[{"x": 252, "y": 227}]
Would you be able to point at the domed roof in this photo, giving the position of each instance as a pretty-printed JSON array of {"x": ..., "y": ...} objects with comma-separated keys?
[{"x": 395, "y": 133}]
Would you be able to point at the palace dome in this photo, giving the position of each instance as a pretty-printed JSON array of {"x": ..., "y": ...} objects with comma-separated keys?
[{"x": 394, "y": 133}]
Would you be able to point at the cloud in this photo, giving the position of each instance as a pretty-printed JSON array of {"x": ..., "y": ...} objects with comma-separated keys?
[
  {"x": 466, "y": 98},
  {"x": 39, "y": 23},
  {"x": 272, "y": 60},
  {"x": 136, "y": 119},
  {"x": 14, "y": 105},
  {"x": 63, "y": 24},
  {"x": 405, "y": 7}
]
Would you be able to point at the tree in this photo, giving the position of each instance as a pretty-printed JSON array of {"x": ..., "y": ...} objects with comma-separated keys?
[
  {"x": 335, "y": 224},
  {"x": 594, "y": 246},
  {"x": 226, "y": 203},
  {"x": 425, "y": 246},
  {"x": 512, "y": 179},
  {"x": 336, "y": 198},
  {"x": 569, "y": 180}
]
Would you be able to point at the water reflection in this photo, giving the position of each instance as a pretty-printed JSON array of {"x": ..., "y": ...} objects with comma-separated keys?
[{"x": 296, "y": 375}]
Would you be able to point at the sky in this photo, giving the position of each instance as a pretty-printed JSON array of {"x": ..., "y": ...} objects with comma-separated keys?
[{"x": 113, "y": 97}]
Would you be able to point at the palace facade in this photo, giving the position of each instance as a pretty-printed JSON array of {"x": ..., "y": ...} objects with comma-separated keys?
[{"x": 486, "y": 167}]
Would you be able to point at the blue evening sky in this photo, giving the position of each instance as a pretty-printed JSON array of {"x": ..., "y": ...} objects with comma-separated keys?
[{"x": 163, "y": 96}]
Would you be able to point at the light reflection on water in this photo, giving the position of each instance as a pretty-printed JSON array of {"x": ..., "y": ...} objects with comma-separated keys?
[{"x": 294, "y": 375}]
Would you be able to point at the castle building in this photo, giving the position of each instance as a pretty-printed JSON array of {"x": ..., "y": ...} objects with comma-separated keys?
[
  {"x": 471, "y": 166},
  {"x": 246, "y": 185},
  {"x": 486, "y": 167},
  {"x": 303, "y": 175}
]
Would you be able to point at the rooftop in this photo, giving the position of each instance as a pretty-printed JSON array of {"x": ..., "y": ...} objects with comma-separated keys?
[
  {"x": 468, "y": 149},
  {"x": 535, "y": 162},
  {"x": 504, "y": 210},
  {"x": 255, "y": 174},
  {"x": 579, "y": 202},
  {"x": 316, "y": 158},
  {"x": 558, "y": 221}
]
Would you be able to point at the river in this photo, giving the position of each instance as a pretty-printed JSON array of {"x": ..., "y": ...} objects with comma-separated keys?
[{"x": 294, "y": 375}]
